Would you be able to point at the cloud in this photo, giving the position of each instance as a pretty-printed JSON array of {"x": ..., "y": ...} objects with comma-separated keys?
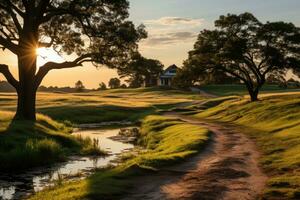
[
  {"x": 170, "y": 21},
  {"x": 170, "y": 38},
  {"x": 167, "y": 31}
]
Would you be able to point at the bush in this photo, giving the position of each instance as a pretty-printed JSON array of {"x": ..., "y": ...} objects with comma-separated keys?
[{"x": 34, "y": 152}]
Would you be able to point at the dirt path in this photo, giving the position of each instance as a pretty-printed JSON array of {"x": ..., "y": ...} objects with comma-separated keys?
[{"x": 227, "y": 170}]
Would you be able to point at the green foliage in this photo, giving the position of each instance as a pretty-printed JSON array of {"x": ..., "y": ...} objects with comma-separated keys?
[
  {"x": 102, "y": 86},
  {"x": 141, "y": 70},
  {"x": 114, "y": 83},
  {"x": 243, "y": 47},
  {"x": 35, "y": 152},
  {"x": 274, "y": 123},
  {"x": 79, "y": 87}
]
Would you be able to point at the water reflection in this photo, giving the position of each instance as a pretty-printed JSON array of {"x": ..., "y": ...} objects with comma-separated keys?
[{"x": 15, "y": 186}]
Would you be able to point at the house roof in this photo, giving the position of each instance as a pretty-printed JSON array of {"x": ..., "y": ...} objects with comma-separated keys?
[
  {"x": 165, "y": 73},
  {"x": 171, "y": 68}
]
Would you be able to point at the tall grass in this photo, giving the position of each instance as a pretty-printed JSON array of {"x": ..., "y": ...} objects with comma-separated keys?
[
  {"x": 34, "y": 152},
  {"x": 25, "y": 144}
]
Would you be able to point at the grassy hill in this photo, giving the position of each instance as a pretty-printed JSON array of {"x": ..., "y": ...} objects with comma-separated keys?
[
  {"x": 101, "y": 106},
  {"x": 274, "y": 122},
  {"x": 24, "y": 144}
]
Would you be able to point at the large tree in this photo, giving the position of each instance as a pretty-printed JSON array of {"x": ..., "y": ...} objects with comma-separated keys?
[
  {"x": 114, "y": 83},
  {"x": 247, "y": 49},
  {"x": 94, "y": 31},
  {"x": 79, "y": 87},
  {"x": 141, "y": 70}
]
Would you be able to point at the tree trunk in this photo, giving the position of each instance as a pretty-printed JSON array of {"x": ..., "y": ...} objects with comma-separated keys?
[
  {"x": 27, "y": 57},
  {"x": 253, "y": 91},
  {"x": 26, "y": 104},
  {"x": 27, "y": 87},
  {"x": 253, "y": 95}
]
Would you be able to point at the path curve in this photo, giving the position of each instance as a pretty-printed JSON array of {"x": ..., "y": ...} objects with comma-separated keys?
[{"x": 228, "y": 169}]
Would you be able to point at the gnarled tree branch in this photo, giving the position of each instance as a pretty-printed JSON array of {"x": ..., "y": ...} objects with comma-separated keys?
[
  {"x": 22, "y": 14},
  {"x": 9, "y": 45},
  {"x": 43, "y": 71},
  {"x": 9, "y": 77},
  {"x": 9, "y": 9}
]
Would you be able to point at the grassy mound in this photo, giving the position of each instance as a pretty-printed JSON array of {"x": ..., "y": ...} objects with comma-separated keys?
[
  {"x": 95, "y": 113},
  {"x": 25, "y": 144},
  {"x": 166, "y": 141},
  {"x": 274, "y": 122}
]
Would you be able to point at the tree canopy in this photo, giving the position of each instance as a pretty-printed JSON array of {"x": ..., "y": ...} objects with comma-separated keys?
[
  {"x": 114, "y": 83},
  {"x": 247, "y": 49},
  {"x": 79, "y": 87},
  {"x": 102, "y": 86},
  {"x": 141, "y": 70}
]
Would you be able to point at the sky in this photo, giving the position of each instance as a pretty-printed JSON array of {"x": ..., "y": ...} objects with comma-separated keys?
[{"x": 173, "y": 26}]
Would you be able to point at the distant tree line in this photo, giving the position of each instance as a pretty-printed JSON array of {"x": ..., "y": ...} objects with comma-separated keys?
[{"x": 114, "y": 83}]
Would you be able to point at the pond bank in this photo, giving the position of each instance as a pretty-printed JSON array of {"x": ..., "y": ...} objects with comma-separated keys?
[{"x": 15, "y": 186}]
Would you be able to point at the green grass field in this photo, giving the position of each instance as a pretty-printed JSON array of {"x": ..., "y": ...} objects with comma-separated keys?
[
  {"x": 166, "y": 141},
  {"x": 26, "y": 143},
  {"x": 109, "y": 105},
  {"x": 274, "y": 123}
]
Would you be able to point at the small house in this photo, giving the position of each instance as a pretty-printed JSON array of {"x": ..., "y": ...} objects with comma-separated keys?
[{"x": 166, "y": 78}]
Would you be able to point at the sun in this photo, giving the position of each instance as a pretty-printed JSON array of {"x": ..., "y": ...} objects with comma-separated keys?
[{"x": 45, "y": 55}]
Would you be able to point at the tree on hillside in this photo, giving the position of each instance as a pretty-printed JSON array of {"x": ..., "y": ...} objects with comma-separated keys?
[
  {"x": 114, "y": 83},
  {"x": 141, "y": 70},
  {"x": 79, "y": 87},
  {"x": 95, "y": 31},
  {"x": 123, "y": 86},
  {"x": 102, "y": 86},
  {"x": 247, "y": 49}
]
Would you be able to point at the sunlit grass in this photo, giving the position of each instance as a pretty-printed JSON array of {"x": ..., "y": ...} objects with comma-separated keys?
[{"x": 109, "y": 105}]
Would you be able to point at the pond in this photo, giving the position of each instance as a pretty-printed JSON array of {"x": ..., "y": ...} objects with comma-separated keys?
[{"x": 16, "y": 186}]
